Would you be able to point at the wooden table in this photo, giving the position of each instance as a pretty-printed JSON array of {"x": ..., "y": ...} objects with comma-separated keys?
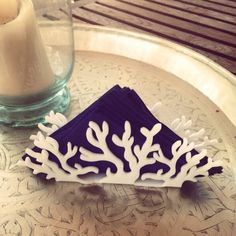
[{"x": 206, "y": 26}]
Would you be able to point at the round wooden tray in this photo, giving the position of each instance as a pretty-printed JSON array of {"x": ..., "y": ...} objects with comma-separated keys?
[{"x": 187, "y": 84}]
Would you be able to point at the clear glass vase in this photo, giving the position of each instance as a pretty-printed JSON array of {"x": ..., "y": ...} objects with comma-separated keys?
[{"x": 37, "y": 49}]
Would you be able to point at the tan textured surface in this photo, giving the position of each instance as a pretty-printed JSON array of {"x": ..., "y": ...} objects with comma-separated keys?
[{"x": 31, "y": 207}]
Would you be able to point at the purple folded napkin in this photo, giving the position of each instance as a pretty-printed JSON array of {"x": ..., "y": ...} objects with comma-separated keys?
[{"x": 118, "y": 140}]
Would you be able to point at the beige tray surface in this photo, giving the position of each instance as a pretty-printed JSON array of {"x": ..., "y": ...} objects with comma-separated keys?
[{"x": 29, "y": 206}]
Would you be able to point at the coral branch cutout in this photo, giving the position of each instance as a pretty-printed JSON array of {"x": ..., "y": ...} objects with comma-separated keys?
[{"x": 137, "y": 156}]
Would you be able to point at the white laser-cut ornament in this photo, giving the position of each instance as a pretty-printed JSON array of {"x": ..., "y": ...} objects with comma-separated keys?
[{"x": 137, "y": 156}]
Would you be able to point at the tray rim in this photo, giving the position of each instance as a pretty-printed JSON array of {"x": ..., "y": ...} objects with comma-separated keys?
[{"x": 156, "y": 39}]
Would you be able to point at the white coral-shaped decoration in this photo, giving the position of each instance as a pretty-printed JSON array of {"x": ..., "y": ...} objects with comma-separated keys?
[
  {"x": 189, "y": 171},
  {"x": 137, "y": 158},
  {"x": 55, "y": 120},
  {"x": 149, "y": 153},
  {"x": 182, "y": 127},
  {"x": 50, "y": 168}
]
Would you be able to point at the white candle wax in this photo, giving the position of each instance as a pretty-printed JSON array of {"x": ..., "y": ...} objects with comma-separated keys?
[{"x": 24, "y": 66}]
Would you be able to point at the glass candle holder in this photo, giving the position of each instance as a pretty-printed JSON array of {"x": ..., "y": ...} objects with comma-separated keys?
[{"x": 36, "y": 61}]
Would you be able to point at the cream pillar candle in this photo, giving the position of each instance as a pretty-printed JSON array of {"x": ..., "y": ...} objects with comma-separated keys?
[
  {"x": 24, "y": 66},
  {"x": 8, "y": 10}
]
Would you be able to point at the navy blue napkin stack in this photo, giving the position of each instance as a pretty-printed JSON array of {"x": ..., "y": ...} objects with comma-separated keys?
[{"x": 115, "y": 107}]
